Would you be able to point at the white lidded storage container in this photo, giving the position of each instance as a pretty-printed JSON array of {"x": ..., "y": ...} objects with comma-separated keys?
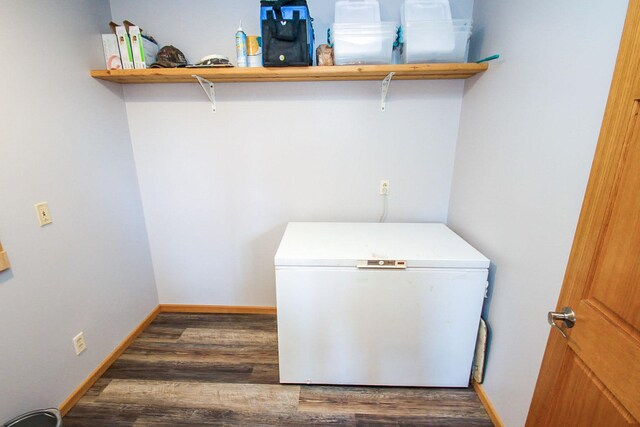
[
  {"x": 430, "y": 35},
  {"x": 377, "y": 304},
  {"x": 425, "y": 10},
  {"x": 360, "y": 43},
  {"x": 436, "y": 41},
  {"x": 359, "y": 37},
  {"x": 357, "y": 11}
]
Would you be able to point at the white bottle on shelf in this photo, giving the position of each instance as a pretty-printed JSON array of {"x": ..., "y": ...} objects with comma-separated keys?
[{"x": 241, "y": 47}]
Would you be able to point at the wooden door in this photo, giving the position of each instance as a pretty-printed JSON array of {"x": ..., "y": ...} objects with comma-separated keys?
[{"x": 592, "y": 378}]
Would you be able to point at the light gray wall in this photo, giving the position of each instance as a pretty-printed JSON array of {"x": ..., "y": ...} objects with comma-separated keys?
[
  {"x": 218, "y": 189},
  {"x": 528, "y": 131},
  {"x": 65, "y": 141}
]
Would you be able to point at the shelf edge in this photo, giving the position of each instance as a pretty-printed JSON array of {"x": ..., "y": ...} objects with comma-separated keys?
[{"x": 336, "y": 73}]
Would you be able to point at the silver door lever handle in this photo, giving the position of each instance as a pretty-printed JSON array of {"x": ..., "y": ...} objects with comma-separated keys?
[{"x": 566, "y": 315}]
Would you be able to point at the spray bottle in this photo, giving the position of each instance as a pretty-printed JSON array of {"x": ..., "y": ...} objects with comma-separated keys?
[{"x": 241, "y": 47}]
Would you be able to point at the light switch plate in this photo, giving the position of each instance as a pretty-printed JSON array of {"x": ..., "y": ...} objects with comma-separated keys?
[
  {"x": 79, "y": 344},
  {"x": 44, "y": 216}
]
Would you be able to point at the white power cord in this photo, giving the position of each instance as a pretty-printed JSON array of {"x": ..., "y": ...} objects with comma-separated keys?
[{"x": 385, "y": 207}]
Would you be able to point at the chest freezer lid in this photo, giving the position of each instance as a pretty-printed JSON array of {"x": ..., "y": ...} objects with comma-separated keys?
[{"x": 332, "y": 244}]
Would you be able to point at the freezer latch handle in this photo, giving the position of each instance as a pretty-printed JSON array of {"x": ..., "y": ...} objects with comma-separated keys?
[{"x": 382, "y": 263}]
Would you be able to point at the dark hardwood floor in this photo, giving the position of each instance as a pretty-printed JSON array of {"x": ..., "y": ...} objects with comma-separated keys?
[{"x": 222, "y": 369}]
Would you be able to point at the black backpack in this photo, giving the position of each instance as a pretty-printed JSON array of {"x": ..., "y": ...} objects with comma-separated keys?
[{"x": 287, "y": 33}]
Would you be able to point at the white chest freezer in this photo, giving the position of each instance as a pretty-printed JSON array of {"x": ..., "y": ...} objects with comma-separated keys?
[{"x": 377, "y": 304}]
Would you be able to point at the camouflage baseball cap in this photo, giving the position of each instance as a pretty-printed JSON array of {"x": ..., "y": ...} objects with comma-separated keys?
[{"x": 169, "y": 57}]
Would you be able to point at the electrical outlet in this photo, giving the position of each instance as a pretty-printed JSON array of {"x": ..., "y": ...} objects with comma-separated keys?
[
  {"x": 79, "y": 344},
  {"x": 42, "y": 210},
  {"x": 384, "y": 187}
]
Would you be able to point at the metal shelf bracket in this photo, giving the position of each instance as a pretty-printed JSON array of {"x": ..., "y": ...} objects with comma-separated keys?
[
  {"x": 209, "y": 90},
  {"x": 385, "y": 88}
]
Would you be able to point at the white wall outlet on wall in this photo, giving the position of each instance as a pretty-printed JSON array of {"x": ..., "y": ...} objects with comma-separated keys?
[
  {"x": 42, "y": 210},
  {"x": 79, "y": 344},
  {"x": 384, "y": 187}
]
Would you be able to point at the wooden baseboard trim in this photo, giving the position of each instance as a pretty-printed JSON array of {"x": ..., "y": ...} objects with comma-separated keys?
[
  {"x": 106, "y": 363},
  {"x": 186, "y": 308},
  {"x": 488, "y": 406},
  {"x": 77, "y": 394}
]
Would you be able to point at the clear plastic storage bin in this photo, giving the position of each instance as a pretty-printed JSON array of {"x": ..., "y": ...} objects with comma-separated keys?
[
  {"x": 357, "y": 11},
  {"x": 425, "y": 10},
  {"x": 436, "y": 41},
  {"x": 371, "y": 43}
]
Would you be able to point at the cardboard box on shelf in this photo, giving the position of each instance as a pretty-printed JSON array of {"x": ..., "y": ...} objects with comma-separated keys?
[
  {"x": 124, "y": 44},
  {"x": 144, "y": 47},
  {"x": 111, "y": 52},
  {"x": 136, "y": 46}
]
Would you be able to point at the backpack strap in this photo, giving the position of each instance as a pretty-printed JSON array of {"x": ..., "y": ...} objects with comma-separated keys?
[
  {"x": 277, "y": 8},
  {"x": 283, "y": 29}
]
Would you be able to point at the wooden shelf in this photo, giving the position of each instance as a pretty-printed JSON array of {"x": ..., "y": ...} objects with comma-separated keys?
[{"x": 293, "y": 74}]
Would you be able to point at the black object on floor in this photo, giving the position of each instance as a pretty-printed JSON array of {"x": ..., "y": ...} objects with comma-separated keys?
[{"x": 39, "y": 418}]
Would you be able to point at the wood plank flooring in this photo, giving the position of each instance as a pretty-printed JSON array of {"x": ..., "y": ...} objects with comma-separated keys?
[{"x": 222, "y": 370}]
